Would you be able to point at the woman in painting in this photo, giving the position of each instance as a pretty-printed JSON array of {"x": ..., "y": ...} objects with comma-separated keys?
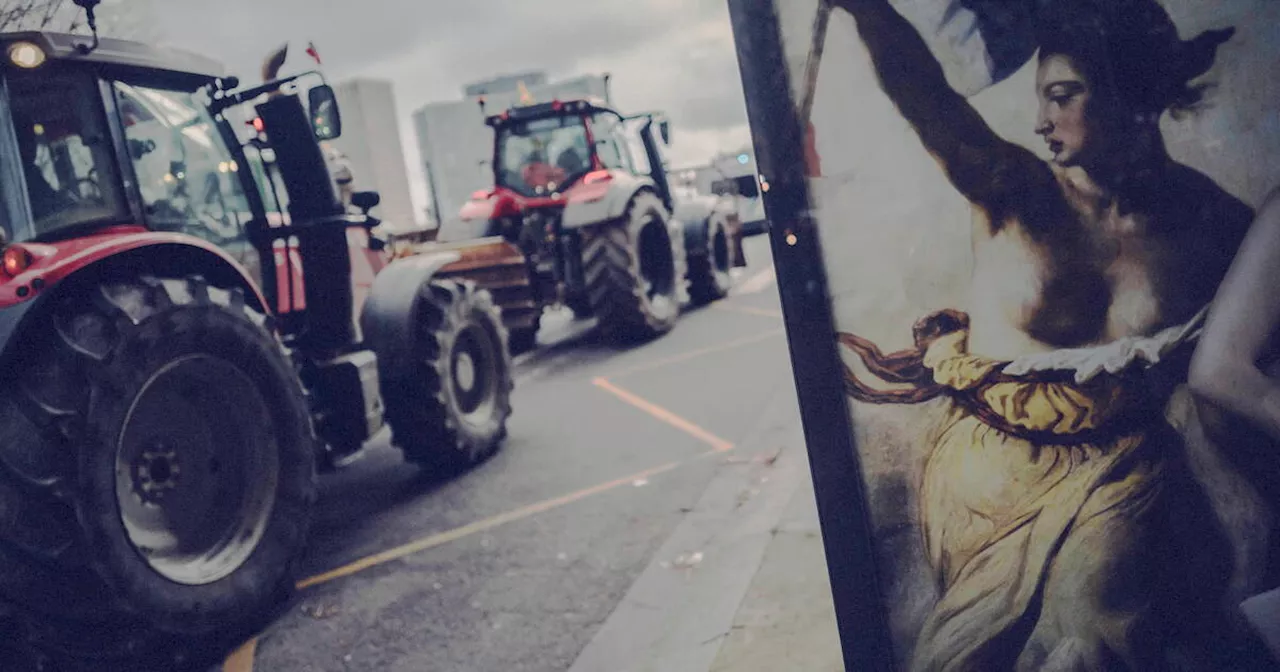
[
  {"x": 1235, "y": 370},
  {"x": 1060, "y": 520},
  {"x": 1242, "y": 326}
]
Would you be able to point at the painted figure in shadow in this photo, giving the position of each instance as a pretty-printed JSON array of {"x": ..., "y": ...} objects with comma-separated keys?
[
  {"x": 1236, "y": 369},
  {"x": 1061, "y": 521}
]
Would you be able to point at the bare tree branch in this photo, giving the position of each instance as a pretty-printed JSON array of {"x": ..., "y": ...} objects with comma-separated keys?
[
  {"x": 50, "y": 11},
  {"x": 29, "y": 14},
  {"x": 128, "y": 22}
]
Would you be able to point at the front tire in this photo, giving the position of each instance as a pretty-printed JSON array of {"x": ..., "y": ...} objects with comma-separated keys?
[
  {"x": 636, "y": 272},
  {"x": 170, "y": 533},
  {"x": 709, "y": 277},
  {"x": 448, "y": 412}
]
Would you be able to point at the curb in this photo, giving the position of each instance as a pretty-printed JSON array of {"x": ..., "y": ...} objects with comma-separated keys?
[{"x": 677, "y": 614}]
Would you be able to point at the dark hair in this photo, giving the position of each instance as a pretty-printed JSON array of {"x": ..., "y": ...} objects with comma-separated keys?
[{"x": 1130, "y": 49}]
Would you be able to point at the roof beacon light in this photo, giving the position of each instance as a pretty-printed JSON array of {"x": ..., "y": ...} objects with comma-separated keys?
[{"x": 26, "y": 55}]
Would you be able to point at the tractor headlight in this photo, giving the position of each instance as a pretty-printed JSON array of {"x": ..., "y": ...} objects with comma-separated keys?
[{"x": 26, "y": 55}]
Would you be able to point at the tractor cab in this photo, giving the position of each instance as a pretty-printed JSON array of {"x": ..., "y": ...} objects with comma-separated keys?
[
  {"x": 547, "y": 155},
  {"x": 544, "y": 154},
  {"x": 113, "y": 137},
  {"x": 549, "y": 148}
]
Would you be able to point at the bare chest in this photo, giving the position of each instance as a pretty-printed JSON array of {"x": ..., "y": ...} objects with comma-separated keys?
[{"x": 1099, "y": 278}]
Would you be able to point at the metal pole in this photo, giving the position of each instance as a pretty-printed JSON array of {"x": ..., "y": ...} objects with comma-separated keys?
[{"x": 819, "y": 40}]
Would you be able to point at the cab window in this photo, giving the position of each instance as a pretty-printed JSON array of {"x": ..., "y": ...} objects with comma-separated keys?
[
  {"x": 603, "y": 129},
  {"x": 188, "y": 179},
  {"x": 65, "y": 150}
]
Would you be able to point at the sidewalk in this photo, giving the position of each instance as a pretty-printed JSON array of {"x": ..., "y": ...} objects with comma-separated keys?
[
  {"x": 741, "y": 585},
  {"x": 787, "y": 619}
]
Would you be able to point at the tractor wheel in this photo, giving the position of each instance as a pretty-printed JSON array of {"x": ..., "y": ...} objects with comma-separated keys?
[
  {"x": 709, "y": 278},
  {"x": 449, "y": 411},
  {"x": 157, "y": 445},
  {"x": 635, "y": 272}
]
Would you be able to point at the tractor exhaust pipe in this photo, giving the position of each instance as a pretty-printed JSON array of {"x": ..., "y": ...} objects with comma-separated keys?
[
  {"x": 274, "y": 61},
  {"x": 299, "y": 158},
  {"x": 316, "y": 215}
]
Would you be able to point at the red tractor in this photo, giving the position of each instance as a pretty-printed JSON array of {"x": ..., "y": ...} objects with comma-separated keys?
[
  {"x": 582, "y": 214},
  {"x": 183, "y": 350}
]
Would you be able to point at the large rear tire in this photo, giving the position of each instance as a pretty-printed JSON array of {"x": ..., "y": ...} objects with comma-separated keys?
[
  {"x": 636, "y": 272},
  {"x": 156, "y": 532},
  {"x": 449, "y": 410},
  {"x": 709, "y": 277}
]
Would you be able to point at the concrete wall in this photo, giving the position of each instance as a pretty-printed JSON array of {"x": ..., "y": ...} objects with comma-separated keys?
[
  {"x": 371, "y": 140},
  {"x": 896, "y": 236}
]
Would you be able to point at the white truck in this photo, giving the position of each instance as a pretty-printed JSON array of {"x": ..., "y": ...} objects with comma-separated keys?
[{"x": 735, "y": 178}]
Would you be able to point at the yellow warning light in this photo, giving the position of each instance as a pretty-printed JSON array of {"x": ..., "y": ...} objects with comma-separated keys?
[
  {"x": 26, "y": 55},
  {"x": 791, "y": 238}
]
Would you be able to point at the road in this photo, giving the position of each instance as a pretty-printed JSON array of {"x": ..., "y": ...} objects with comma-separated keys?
[{"x": 516, "y": 564}]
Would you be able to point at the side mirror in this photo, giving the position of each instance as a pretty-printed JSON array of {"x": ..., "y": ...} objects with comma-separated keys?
[
  {"x": 325, "y": 118},
  {"x": 366, "y": 200},
  {"x": 664, "y": 130}
]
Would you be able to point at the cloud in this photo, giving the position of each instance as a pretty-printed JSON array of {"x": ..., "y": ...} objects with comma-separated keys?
[{"x": 675, "y": 56}]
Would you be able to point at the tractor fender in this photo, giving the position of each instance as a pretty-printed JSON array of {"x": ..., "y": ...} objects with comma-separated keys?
[
  {"x": 70, "y": 265},
  {"x": 603, "y": 201},
  {"x": 389, "y": 317}
]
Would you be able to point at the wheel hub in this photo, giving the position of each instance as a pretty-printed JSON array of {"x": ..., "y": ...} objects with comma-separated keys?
[
  {"x": 196, "y": 470},
  {"x": 465, "y": 371},
  {"x": 155, "y": 473},
  {"x": 474, "y": 376}
]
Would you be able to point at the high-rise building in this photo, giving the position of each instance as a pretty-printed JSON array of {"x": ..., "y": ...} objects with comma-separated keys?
[{"x": 371, "y": 140}]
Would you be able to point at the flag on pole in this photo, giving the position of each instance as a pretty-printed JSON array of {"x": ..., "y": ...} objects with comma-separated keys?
[
  {"x": 526, "y": 98},
  {"x": 311, "y": 51},
  {"x": 979, "y": 42}
]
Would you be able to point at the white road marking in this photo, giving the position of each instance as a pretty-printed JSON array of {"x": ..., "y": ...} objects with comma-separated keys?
[{"x": 756, "y": 283}]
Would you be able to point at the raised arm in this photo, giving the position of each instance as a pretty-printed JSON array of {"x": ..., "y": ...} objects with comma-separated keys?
[
  {"x": 980, "y": 164},
  {"x": 1241, "y": 324}
]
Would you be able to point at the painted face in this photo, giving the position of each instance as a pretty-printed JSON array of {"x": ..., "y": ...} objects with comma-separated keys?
[{"x": 1063, "y": 119}]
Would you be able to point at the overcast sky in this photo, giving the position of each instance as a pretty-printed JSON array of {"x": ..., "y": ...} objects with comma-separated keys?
[{"x": 671, "y": 55}]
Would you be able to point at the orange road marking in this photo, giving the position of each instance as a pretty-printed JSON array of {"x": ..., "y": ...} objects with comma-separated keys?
[
  {"x": 718, "y": 444},
  {"x": 241, "y": 660},
  {"x": 478, "y": 526},
  {"x": 692, "y": 354}
]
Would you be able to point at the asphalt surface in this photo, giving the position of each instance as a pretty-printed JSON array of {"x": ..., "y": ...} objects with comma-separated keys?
[{"x": 516, "y": 564}]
